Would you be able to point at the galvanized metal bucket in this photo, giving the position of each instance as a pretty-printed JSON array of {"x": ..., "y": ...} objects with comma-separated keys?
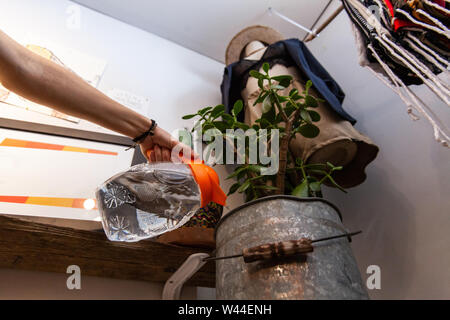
[{"x": 330, "y": 272}]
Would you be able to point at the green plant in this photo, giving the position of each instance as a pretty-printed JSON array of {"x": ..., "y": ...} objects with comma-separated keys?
[
  {"x": 289, "y": 114},
  {"x": 313, "y": 176}
]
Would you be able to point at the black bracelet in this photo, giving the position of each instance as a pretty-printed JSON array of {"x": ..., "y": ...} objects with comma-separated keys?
[{"x": 141, "y": 138}]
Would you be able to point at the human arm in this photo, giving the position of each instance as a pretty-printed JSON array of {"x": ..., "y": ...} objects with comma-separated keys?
[{"x": 44, "y": 82}]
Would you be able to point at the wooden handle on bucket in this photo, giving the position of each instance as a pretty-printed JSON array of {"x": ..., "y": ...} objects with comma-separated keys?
[{"x": 277, "y": 250}]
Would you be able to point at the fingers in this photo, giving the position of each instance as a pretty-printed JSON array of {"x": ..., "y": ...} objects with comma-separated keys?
[
  {"x": 180, "y": 150},
  {"x": 163, "y": 147},
  {"x": 159, "y": 154},
  {"x": 152, "y": 157},
  {"x": 166, "y": 154}
]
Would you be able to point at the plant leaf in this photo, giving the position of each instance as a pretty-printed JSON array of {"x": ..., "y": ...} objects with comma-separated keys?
[
  {"x": 277, "y": 87},
  {"x": 265, "y": 187},
  {"x": 261, "y": 98},
  {"x": 308, "y": 85},
  {"x": 261, "y": 83},
  {"x": 234, "y": 188},
  {"x": 284, "y": 80},
  {"x": 282, "y": 98},
  {"x": 266, "y": 67},
  {"x": 289, "y": 109},
  {"x": 315, "y": 116},
  {"x": 228, "y": 119},
  {"x": 241, "y": 125},
  {"x": 309, "y": 130},
  {"x": 218, "y": 111},
  {"x": 337, "y": 185},
  {"x": 305, "y": 116},
  {"x": 256, "y": 74},
  {"x": 310, "y": 101},
  {"x": 237, "y": 108},
  {"x": 236, "y": 172},
  {"x": 267, "y": 104},
  {"x": 315, "y": 186},
  {"x": 244, "y": 186},
  {"x": 285, "y": 83},
  {"x": 188, "y": 116},
  {"x": 221, "y": 125},
  {"x": 282, "y": 77},
  {"x": 203, "y": 111},
  {"x": 301, "y": 190},
  {"x": 255, "y": 168}
]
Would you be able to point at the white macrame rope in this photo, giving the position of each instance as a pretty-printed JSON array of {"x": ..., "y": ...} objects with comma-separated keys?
[
  {"x": 428, "y": 49},
  {"x": 438, "y": 130},
  {"x": 395, "y": 81},
  {"x": 435, "y": 20},
  {"x": 382, "y": 32},
  {"x": 413, "y": 102},
  {"x": 412, "y": 68},
  {"x": 425, "y": 55},
  {"x": 425, "y": 25},
  {"x": 424, "y": 69},
  {"x": 438, "y": 7},
  {"x": 439, "y": 134},
  {"x": 396, "y": 89}
]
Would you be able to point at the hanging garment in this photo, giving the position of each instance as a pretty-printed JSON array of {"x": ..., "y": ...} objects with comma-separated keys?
[
  {"x": 367, "y": 33},
  {"x": 287, "y": 52},
  {"x": 432, "y": 12},
  {"x": 399, "y": 14},
  {"x": 403, "y": 53},
  {"x": 363, "y": 37}
]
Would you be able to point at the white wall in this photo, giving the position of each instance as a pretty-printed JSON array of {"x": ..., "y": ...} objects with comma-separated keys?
[
  {"x": 178, "y": 81},
  {"x": 32, "y": 285},
  {"x": 404, "y": 206}
]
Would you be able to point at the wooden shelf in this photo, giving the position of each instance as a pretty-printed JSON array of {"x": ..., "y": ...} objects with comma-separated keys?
[{"x": 33, "y": 246}]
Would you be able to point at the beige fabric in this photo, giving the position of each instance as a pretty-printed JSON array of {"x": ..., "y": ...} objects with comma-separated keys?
[
  {"x": 338, "y": 142},
  {"x": 261, "y": 33}
]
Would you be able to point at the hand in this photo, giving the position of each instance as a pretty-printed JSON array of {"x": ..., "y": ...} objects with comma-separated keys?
[{"x": 160, "y": 146}]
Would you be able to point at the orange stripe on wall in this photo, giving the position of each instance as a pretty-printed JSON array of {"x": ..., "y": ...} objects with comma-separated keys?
[
  {"x": 41, "y": 145},
  {"x": 13, "y": 199},
  {"x": 76, "y": 203},
  {"x": 54, "y": 202},
  {"x": 13, "y": 143},
  {"x": 74, "y": 149},
  {"x": 102, "y": 152},
  {"x": 49, "y": 146}
]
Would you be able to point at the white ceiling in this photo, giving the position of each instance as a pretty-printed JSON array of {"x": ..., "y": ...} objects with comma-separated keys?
[{"x": 207, "y": 26}]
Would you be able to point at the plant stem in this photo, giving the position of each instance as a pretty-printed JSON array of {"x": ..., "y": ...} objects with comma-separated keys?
[
  {"x": 293, "y": 175},
  {"x": 284, "y": 146}
]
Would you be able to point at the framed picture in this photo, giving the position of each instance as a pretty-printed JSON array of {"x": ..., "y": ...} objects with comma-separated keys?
[{"x": 50, "y": 171}]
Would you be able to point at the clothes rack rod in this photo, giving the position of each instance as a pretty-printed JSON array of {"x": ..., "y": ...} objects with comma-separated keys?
[
  {"x": 316, "y": 32},
  {"x": 298, "y": 25}
]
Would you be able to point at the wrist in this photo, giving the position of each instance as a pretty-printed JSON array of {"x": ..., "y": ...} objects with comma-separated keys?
[
  {"x": 140, "y": 126},
  {"x": 148, "y": 133}
]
